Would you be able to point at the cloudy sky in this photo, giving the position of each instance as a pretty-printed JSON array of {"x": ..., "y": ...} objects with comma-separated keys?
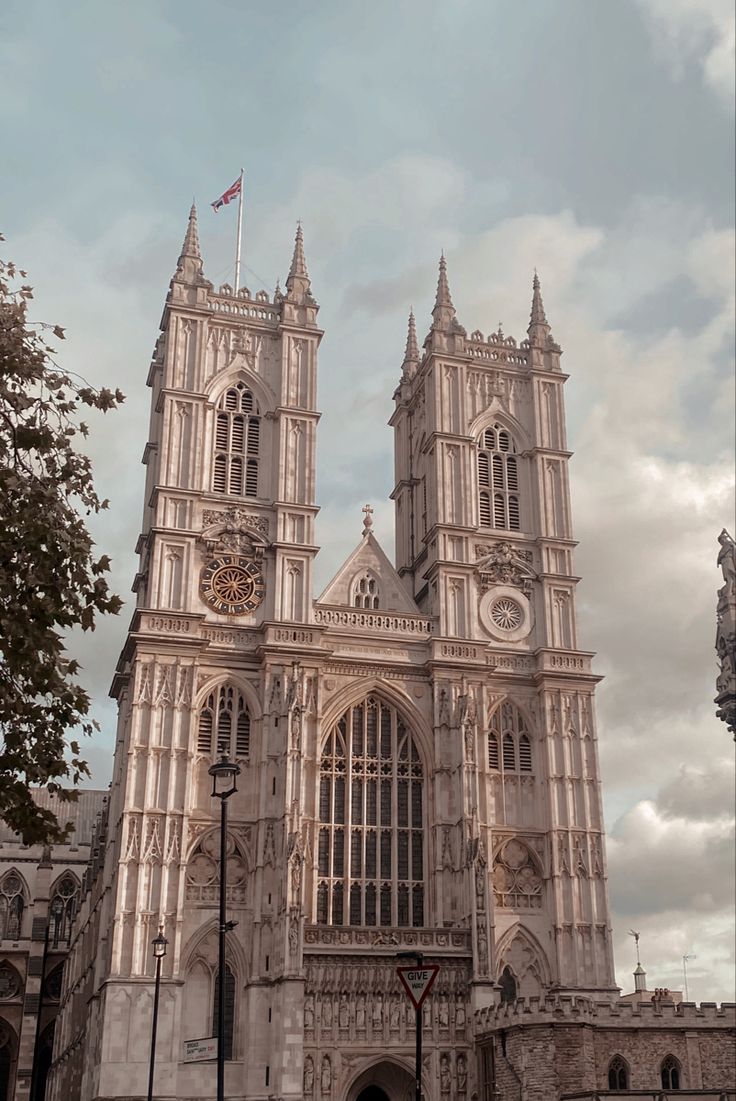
[{"x": 590, "y": 139}]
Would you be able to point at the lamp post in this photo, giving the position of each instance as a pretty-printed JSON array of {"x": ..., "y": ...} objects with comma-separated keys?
[
  {"x": 223, "y": 773},
  {"x": 56, "y": 909},
  {"x": 159, "y": 944}
]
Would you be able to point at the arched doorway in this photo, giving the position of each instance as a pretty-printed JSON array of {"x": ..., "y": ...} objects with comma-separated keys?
[{"x": 384, "y": 1081}]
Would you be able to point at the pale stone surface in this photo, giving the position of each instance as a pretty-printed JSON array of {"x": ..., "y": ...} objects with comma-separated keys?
[{"x": 470, "y": 643}]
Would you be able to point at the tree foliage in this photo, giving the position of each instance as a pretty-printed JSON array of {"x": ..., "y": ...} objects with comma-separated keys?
[{"x": 50, "y": 578}]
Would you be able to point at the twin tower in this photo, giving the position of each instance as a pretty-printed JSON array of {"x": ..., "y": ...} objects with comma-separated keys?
[{"x": 417, "y": 745}]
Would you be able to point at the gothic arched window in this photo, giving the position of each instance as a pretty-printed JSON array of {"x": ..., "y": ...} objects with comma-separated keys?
[
  {"x": 365, "y": 591},
  {"x": 12, "y": 905},
  {"x": 498, "y": 480},
  {"x": 370, "y": 844},
  {"x": 509, "y": 732},
  {"x": 237, "y": 443},
  {"x": 229, "y": 1010},
  {"x": 670, "y": 1073},
  {"x": 63, "y": 907},
  {"x": 224, "y": 723},
  {"x": 618, "y": 1074}
]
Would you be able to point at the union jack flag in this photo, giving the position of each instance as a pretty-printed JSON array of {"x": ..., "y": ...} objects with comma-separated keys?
[{"x": 227, "y": 196}]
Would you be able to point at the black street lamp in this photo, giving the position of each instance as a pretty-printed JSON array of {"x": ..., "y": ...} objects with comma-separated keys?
[
  {"x": 159, "y": 944},
  {"x": 223, "y": 773}
]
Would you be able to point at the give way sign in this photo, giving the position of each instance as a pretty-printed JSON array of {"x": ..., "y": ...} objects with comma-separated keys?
[{"x": 418, "y": 981}]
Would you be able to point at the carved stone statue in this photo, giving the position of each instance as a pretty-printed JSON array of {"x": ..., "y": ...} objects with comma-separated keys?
[
  {"x": 326, "y": 1075},
  {"x": 445, "y": 1074},
  {"x": 462, "y": 1073},
  {"x": 309, "y": 1014},
  {"x": 727, "y": 560},
  {"x": 360, "y": 1013},
  {"x": 726, "y": 634},
  {"x": 343, "y": 1012},
  {"x": 327, "y": 1013},
  {"x": 308, "y": 1075},
  {"x": 460, "y": 1013}
]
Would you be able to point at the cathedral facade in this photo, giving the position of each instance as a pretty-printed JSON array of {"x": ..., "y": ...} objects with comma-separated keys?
[{"x": 417, "y": 746}]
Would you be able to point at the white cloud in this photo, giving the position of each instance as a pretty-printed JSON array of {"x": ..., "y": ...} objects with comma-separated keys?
[{"x": 700, "y": 31}]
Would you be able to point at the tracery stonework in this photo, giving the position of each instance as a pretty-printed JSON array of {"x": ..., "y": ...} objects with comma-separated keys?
[{"x": 417, "y": 744}]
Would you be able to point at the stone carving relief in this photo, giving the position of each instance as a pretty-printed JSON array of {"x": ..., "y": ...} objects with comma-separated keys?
[
  {"x": 504, "y": 564},
  {"x": 203, "y": 876},
  {"x": 516, "y": 879},
  {"x": 726, "y": 634}
]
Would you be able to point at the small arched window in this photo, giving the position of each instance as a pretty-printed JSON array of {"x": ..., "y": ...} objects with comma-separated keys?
[
  {"x": 63, "y": 907},
  {"x": 509, "y": 732},
  {"x": 618, "y": 1074},
  {"x": 507, "y": 982},
  {"x": 237, "y": 443},
  {"x": 366, "y": 593},
  {"x": 670, "y": 1073},
  {"x": 224, "y": 724},
  {"x": 498, "y": 480},
  {"x": 229, "y": 1017},
  {"x": 12, "y": 905}
]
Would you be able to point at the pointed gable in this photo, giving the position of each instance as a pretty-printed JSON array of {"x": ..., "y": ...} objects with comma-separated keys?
[{"x": 367, "y": 563}]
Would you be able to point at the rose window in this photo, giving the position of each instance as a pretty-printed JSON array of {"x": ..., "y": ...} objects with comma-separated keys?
[{"x": 507, "y": 614}]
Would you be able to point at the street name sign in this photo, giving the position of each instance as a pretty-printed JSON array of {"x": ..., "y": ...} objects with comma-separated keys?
[
  {"x": 417, "y": 982},
  {"x": 199, "y": 1051}
]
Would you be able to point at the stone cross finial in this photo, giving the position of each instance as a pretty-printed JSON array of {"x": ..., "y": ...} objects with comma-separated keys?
[{"x": 368, "y": 519}]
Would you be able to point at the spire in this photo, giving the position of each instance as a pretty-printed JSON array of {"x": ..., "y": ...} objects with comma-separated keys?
[
  {"x": 539, "y": 329},
  {"x": 189, "y": 265},
  {"x": 297, "y": 282},
  {"x": 411, "y": 355},
  {"x": 443, "y": 313}
]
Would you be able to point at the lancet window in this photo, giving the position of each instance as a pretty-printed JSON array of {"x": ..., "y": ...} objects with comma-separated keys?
[
  {"x": 509, "y": 741},
  {"x": 365, "y": 592},
  {"x": 498, "y": 480},
  {"x": 224, "y": 724},
  {"x": 229, "y": 1010},
  {"x": 508, "y": 985},
  {"x": 370, "y": 842},
  {"x": 618, "y": 1074},
  {"x": 63, "y": 907},
  {"x": 237, "y": 443},
  {"x": 12, "y": 905},
  {"x": 670, "y": 1073}
]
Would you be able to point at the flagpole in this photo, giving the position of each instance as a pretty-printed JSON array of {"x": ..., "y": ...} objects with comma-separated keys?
[{"x": 240, "y": 230}]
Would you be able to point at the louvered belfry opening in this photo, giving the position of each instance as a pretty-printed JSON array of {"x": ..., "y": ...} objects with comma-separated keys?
[
  {"x": 237, "y": 443},
  {"x": 224, "y": 723},
  {"x": 509, "y": 740},
  {"x": 370, "y": 843},
  {"x": 498, "y": 480}
]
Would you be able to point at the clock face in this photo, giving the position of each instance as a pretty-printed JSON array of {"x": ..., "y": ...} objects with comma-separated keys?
[{"x": 232, "y": 585}]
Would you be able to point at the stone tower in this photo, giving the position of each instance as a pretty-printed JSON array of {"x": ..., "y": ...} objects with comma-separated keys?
[{"x": 417, "y": 745}]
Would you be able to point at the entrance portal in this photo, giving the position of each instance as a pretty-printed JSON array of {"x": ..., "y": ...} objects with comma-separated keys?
[{"x": 384, "y": 1081}]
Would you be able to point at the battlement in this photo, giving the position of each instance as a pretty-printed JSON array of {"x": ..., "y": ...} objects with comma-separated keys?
[
  {"x": 498, "y": 348},
  {"x": 569, "y": 1009}
]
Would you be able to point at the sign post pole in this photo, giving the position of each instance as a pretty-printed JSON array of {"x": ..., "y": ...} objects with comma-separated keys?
[
  {"x": 419, "y": 1054},
  {"x": 417, "y": 981}
]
